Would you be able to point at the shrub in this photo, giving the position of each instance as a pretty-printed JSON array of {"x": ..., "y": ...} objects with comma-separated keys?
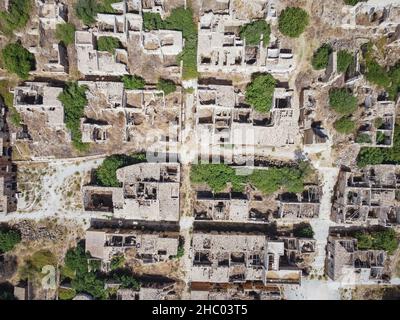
[
  {"x": 108, "y": 44},
  {"x": 66, "y": 294},
  {"x": 126, "y": 278},
  {"x": 353, "y": 2},
  {"x": 344, "y": 125},
  {"x": 18, "y": 60},
  {"x": 380, "y": 137},
  {"x": 88, "y": 282},
  {"x": 293, "y": 21},
  {"x": 303, "y": 230},
  {"x": 16, "y": 17},
  {"x": 8, "y": 240},
  {"x": 106, "y": 173},
  {"x": 377, "y": 240},
  {"x": 117, "y": 262},
  {"x": 342, "y": 101},
  {"x": 253, "y": 31},
  {"x": 133, "y": 82},
  {"x": 73, "y": 99},
  {"x": 105, "y": 6},
  {"x": 259, "y": 93},
  {"x": 86, "y": 10},
  {"x": 344, "y": 59},
  {"x": 167, "y": 86},
  {"x": 378, "y": 122},
  {"x": 377, "y": 74},
  {"x": 363, "y": 138},
  {"x": 65, "y": 32},
  {"x": 8, "y": 98},
  {"x": 320, "y": 58},
  {"x": 76, "y": 259}
]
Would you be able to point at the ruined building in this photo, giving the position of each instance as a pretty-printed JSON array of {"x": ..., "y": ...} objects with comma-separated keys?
[
  {"x": 149, "y": 191},
  {"x": 238, "y": 258},
  {"x": 145, "y": 246},
  {"x": 345, "y": 261},
  {"x": 368, "y": 196}
]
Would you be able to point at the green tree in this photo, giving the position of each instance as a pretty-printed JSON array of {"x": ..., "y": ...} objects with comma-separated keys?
[
  {"x": 377, "y": 240},
  {"x": 127, "y": 280},
  {"x": 167, "y": 86},
  {"x": 18, "y": 60},
  {"x": 320, "y": 58},
  {"x": 76, "y": 259},
  {"x": 377, "y": 74},
  {"x": 86, "y": 10},
  {"x": 293, "y": 21},
  {"x": 259, "y": 93},
  {"x": 342, "y": 101},
  {"x": 88, "y": 282},
  {"x": 106, "y": 172},
  {"x": 8, "y": 240},
  {"x": 133, "y": 82},
  {"x": 108, "y": 44},
  {"x": 74, "y": 100},
  {"x": 344, "y": 125},
  {"x": 253, "y": 32},
  {"x": 303, "y": 230},
  {"x": 344, "y": 59},
  {"x": 65, "y": 32},
  {"x": 16, "y": 17}
]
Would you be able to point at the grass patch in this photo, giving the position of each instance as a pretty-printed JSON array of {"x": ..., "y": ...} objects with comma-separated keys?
[
  {"x": 8, "y": 98},
  {"x": 377, "y": 240},
  {"x": 363, "y": 138},
  {"x": 344, "y": 60},
  {"x": 167, "y": 86},
  {"x": 65, "y": 32},
  {"x": 18, "y": 60},
  {"x": 132, "y": 82},
  {"x": 344, "y": 125},
  {"x": 66, "y": 294},
  {"x": 109, "y": 44}
]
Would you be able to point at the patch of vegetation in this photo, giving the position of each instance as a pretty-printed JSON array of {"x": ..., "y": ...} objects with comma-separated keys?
[
  {"x": 167, "y": 86},
  {"x": 344, "y": 59},
  {"x": 303, "y": 230},
  {"x": 132, "y": 82},
  {"x": 260, "y": 92},
  {"x": 218, "y": 176},
  {"x": 320, "y": 59},
  {"x": 73, "y": 99},
  {"x": 344, "y": 125},
  {"x": 377, "y": 240},
  {"x": 66, "y": 294},
  {"x": 353, "y": 2},
  {"x": 180, "y": 19},
  {"x": 363, "y": 138},
  {"x": 86, "y": 11},
  {"x": 378, "y": 122},
  {"x": 380, "y": 137},
  {"x": 377, "y": 74},
  {"x": 342, "y": 101},
  {"x": 16, "y": 17},
  {"x": 106, "y": 173},
  {"x": 371, "y": 155},
  {"x": 293, "y": 21},
  {"x": 108, "y": 44},
  {"x": 32, "y": 268},
  {"x": 117, "y": 262},
  {"x": 8, "y": 98},
  {"x": 152, "y": 21},
  {"x": 84, "y": 281},
  {"x": 65, "y": 32},
  {"x": 105, "y": 6},
  {"x": 18, "y": 60},
  {"x": 126, "y": 278},
  {"x": 8, "y": 239},
  {"x": 253, "y": 32}
]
